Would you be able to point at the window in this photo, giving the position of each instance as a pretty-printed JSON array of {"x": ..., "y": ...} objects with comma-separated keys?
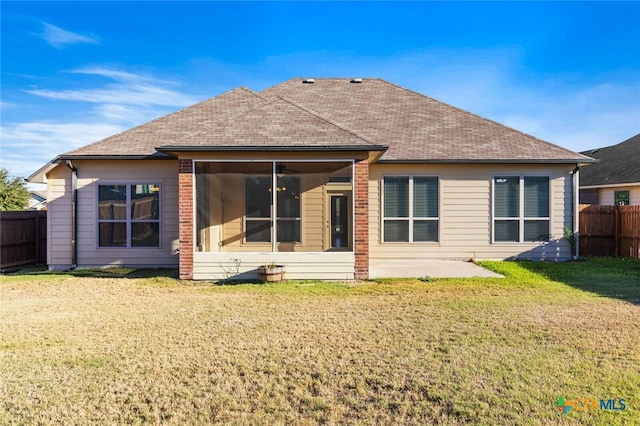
[
  {"x": 520, "y": 208},
  {"x": 129, "y": 215},
  {"x": 621, "y": 198},
  {"x": 258, "y": 207},
  {"x": 410, "y": 209}
]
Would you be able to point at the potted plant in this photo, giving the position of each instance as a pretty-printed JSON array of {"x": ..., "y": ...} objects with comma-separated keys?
[{"x": 271, "y": 272}]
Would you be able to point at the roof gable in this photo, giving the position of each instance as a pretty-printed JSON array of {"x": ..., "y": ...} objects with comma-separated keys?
[
  {"x": 618, "y": 164},
  {"x": 142, "y": 140},
  {"x": 275, "y": 124}
]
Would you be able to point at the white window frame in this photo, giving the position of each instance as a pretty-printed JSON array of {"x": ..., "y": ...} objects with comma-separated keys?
[
  {"x": 521, "y": 218},
  {"x": 411, "y": 218},
  {"x": 128, "y": 220}
]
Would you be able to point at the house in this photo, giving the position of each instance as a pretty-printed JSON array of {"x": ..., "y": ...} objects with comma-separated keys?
[
  {"x": 615, "y": 179},
  {"x": 37, "y": 200},
  {"x": 325, "y": 176}
]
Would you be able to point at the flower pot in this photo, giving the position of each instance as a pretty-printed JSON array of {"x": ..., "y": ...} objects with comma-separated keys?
[{"x": 271, "y": 273}]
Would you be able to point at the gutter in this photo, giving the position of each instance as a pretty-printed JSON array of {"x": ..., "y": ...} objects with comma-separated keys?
[
  {"x": 576, "y": 209},
  {"x": 483, "y": 161},
  {"x": 74, "y": 214},
  {"x": 306, "y": 148}
]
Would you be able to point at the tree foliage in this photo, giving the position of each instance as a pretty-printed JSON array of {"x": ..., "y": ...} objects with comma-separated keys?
[{"x": 14, "y": 194}]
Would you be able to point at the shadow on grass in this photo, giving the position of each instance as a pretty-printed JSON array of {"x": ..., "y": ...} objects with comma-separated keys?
[
  {"x": 617, "y": 278},
  {"x": 114, "y": 272}
]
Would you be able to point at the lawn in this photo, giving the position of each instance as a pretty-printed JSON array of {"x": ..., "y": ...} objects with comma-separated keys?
[{"x": 131, "y": 347}]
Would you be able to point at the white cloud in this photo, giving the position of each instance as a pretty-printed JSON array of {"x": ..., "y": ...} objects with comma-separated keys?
[
  {"x": 128, "y": 89},
  {"x": 27, "y": 146},
  {"x": 125, "y": 99},
  {"x": 6, "y": 105},
  {"x": 58, "y": 37}
]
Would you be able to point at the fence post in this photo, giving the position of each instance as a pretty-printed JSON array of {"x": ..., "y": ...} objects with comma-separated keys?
[
  {"x": 616, "y": 230},
  {"x": 36, "y": 235}
]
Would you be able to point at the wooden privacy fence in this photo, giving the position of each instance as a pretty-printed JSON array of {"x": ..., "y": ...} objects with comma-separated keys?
[
  {"x": 609, "y": 230},
  {"x": 23, "y": 238}
]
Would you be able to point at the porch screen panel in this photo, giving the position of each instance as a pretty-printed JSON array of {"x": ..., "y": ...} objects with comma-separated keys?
[
  {"x": 288, "y": 199},
  {"x": 258, "y": 201},
  {"x": 258, "y": 206}
]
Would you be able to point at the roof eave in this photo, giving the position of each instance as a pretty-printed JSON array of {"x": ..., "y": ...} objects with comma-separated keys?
[
  {"x": 177, "y": 148},
  {"x": 155, "y": 156},
  {"x": 488, "y": 161},
  {"x": 40, "y": 175},
  {"x": 609, "y": 185}
]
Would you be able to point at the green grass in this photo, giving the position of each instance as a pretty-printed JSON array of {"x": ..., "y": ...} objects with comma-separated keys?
[{"x": 121, "y": 346}]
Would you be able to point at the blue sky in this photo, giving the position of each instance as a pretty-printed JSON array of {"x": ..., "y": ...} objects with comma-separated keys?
[{"x": 75, "y": 72}]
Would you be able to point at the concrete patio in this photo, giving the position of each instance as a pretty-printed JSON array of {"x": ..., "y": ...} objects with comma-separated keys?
[{"x": 428, "y": 268}]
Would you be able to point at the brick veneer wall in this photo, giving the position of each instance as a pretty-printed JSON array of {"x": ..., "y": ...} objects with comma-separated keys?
[
  {"x": 361, "y": 228},
  {"x": 185, "y": 197}
]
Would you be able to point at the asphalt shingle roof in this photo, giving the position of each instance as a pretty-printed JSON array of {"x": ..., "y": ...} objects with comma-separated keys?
[
  {"x": 142, "y": 140},
  {"x": 333, "y": 114},
  {"x": 275, "y": 123},
  {"x": 618, "y": 164}
]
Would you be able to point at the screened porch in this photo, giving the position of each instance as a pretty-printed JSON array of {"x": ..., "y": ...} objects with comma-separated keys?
[{"x": 295, "y": 213}]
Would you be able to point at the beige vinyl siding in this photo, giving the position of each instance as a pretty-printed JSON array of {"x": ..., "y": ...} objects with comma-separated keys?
[
  {"x": 465, "y": 202},
  {"x": 59, "y": 218},
  {"x": 307, "y": 266},
  {"x": 606, "y": 195},
  {"x": 90, "y": 175}
]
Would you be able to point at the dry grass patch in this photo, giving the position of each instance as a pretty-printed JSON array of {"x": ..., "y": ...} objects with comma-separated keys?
[{"x": 78, "y": 350}]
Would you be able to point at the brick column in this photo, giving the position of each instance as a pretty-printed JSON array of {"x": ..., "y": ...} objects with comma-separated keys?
[
  {"x": 361, "y": 228},
  {"x": 185, "y": 218}
]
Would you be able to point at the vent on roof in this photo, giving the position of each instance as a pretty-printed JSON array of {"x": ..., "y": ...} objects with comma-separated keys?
[
  {"x": 309, "y": 80},
  {"x": 356, "y": 80}
]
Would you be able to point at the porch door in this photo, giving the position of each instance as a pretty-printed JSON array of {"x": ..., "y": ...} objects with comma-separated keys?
[{"x": 339, "y": 215}]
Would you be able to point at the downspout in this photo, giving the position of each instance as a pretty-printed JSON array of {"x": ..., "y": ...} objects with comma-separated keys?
[
  {"x": 74, "y": 214},
  {"x": 576, "y": 210}
]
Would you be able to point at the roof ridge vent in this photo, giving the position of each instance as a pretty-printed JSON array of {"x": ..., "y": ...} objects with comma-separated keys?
[
  {"x": 356, "y": 80},
  {"x": 309, "y": 80}
]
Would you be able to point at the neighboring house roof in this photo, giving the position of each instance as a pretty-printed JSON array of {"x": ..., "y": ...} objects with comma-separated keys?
[
  {"x": 617, "y": 164},
  {"x": 37, "y": 200},
  {"x": 330, "y": 113}
]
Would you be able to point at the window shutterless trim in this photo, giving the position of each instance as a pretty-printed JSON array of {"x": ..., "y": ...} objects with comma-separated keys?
[
  {"x": 128, "y": 220},
  {"x": 521, "y": 218},
  {"x": 411, "y": 218}
]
